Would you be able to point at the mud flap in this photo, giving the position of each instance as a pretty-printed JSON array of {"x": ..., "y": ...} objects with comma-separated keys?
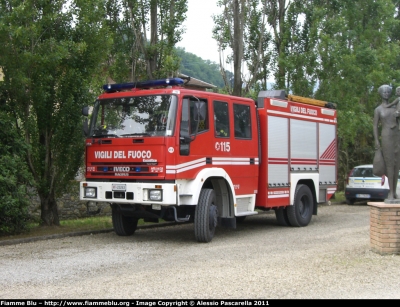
[{"x": 228, "y": 222}]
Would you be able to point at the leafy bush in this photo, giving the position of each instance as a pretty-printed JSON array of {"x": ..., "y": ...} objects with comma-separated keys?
[{"x": 14, "y": 176}]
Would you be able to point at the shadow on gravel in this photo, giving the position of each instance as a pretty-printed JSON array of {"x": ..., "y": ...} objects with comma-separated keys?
[{"x": 253, "y": 226}]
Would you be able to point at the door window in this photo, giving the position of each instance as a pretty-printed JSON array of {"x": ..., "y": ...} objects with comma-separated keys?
[
  {"x": 221, "y": 119},
  {"x": 242, "y": 121}
]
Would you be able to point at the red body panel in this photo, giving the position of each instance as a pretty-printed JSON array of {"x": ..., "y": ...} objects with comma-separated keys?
[
  {"x": 162, "y": 157},
  {"x": 274, "y": 196},
  {"x": 111, "y": 158},
  {"x": 247, "y": 165},
  {"x": 229, "y": 153}
]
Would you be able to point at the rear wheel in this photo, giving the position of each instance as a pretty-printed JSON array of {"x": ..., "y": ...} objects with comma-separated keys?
[
  {"x": 206, "y": 216},
  {"x": 123, "y": 225},
  {"x": 282, "y": 217},
  {"x": 350, "y": 201},
  {"x": 300, "y": 213}
]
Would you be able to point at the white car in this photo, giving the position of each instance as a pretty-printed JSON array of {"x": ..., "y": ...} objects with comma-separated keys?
[{"x": 362, "y": 184}]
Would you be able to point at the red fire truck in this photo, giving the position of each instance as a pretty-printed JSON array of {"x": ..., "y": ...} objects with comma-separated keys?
[{"x": 157, "y": 150}]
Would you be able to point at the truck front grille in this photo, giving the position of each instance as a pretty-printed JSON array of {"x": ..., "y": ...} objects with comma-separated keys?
[{"x": 119, "y": 195}]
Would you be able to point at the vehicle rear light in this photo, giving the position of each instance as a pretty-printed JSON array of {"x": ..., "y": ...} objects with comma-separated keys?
[{"x": 383, "y": 180}]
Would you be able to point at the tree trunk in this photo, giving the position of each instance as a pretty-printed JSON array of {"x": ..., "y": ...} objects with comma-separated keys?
[
  {"x": 277, "y": 11},
  {"x": 238, "y": 19},
  {"x": 49, "y": 210},
  {"x": 152, "y": 51},
  {"x": 281, "y": 45}
]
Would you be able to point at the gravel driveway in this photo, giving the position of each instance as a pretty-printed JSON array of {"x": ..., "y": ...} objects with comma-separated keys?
[{"x": 330, "y": 258}]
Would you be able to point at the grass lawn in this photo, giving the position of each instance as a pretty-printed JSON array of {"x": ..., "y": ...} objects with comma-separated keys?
[
  {"x": 338, "y": 197},
  {"x": 67, "y": 226}
]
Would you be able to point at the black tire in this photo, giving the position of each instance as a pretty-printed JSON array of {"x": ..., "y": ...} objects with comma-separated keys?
[
  {"x": 206, "y": 216},
  {"x": 301, "y": 212},
  {"x": 282, "y": 217},
  {"x": 123, "y": 225},
  {"x": 350, "y": 201}
]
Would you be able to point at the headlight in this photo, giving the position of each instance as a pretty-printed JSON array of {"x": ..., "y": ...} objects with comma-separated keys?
[
  {"x": 155, "y": 195},
  {"x": 90, "y": 192}
]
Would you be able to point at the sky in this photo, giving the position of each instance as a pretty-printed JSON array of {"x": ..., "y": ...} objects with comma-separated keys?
[{"x": 199, "y": 23}]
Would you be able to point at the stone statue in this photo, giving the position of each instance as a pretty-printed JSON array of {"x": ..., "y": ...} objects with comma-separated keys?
[
  {"x": 395, "y": 117},
  {"x": 386, "y": 115}
]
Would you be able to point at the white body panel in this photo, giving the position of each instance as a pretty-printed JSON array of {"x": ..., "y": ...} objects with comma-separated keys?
[
  {"x": 189, "y": 190},
  {"x": 184, "y": 192},
  {"x": 296, "y": 177},
  {"x": 139, "y": 191}
]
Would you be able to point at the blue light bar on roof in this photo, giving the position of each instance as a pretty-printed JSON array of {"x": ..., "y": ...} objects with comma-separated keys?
[{"x": 109, "y": 88}]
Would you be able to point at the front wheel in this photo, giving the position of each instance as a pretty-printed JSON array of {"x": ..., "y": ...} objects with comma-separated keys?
[
  {"x": 206, "y": 216},
  {"x": 300, "y": 212},
  {"x": 123, "y": 225}
]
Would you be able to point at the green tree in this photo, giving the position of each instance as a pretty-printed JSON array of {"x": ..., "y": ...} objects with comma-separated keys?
[
  {"x": 52, "y": 54},
  {"x": 300, "y": 58},
  {"x": 257, "y": 54},
  {"x": 276, "y": 17},
  {"x": 145, "y": 33},
  {"x": 356, "y": 56},
  {"x": 338, "y": 51},
  {"x": 242, "y": 29},
  {"x": 205, "y": 70},
  {"x": 14, "y": 177},
  {"x": 229, "y": 32}
]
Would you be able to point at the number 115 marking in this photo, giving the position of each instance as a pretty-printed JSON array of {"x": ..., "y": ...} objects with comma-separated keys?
[{"x": 223, "y": 146}]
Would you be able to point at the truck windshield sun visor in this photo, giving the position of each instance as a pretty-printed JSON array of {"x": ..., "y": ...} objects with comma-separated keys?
[{"x": 146, "y": 116}]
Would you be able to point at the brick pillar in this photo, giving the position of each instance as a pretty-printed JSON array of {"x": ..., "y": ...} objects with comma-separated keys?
[{"x": 385, "y": 228}]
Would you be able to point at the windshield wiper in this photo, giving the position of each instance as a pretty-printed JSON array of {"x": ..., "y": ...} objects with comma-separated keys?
[
  {"x": 133, "y": 134},
  {"x": 105, "y": 135}
]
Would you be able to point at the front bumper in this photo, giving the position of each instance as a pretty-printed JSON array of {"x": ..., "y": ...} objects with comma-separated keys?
[
  {"x": 362, "y": 193},
  {"x": 129, "y": 193}
]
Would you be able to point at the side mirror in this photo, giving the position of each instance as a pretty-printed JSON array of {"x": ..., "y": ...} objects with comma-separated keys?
[
  {"x": 85, "y": 111},
  {"x": 186, "y": 139}
]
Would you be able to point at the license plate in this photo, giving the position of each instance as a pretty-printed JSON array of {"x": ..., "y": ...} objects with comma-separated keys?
[
  {"x": 363, "y": 196},
  {"x": 119, "y": 187}
]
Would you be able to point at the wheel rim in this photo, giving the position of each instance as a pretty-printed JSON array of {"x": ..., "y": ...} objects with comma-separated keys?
[
  {"x": 304, "y": 206},
  {"x": 212, "y": 222}
]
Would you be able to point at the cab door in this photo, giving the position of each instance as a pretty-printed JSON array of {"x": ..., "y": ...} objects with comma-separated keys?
[
  {"x": 195, "y": 140},
  {"x": 235, "y": 146}
]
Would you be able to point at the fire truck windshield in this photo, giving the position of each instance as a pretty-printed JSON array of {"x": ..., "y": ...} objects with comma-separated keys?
[{"x": 134, "y": 116}]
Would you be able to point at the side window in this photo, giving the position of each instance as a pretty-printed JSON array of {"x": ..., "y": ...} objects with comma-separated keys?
[
  {"x": 194, "y": 115},
  {"x": 242, "y": 121},
  {"x": 221, "y": 119},
  {"x": 199, "y": 115}
]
